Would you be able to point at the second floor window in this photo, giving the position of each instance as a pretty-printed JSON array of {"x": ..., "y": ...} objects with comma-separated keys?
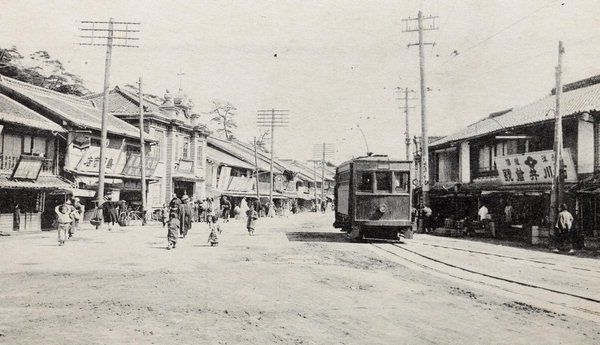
[{"x": 485, "y": 159}]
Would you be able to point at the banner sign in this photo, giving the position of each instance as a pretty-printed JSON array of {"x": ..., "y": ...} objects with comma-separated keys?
[
  {"x": 533, "y": 167},
  {"x": 134, "y": 164}
]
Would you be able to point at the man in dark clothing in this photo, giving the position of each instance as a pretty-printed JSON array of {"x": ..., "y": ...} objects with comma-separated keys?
[
  {"x": 174, "y": 204},
  {"x": 109, "y": 212},
  {"x": 226, "y": 207},
  {"x": 185, "y": 215}
]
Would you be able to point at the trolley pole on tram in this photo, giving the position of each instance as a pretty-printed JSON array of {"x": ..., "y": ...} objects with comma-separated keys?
[
  {"x": 95, "y": 34},
  {"x": 270, "y": 119}
]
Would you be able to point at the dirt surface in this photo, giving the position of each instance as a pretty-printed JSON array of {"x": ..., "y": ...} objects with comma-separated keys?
[{"x": 298, "y": 281}]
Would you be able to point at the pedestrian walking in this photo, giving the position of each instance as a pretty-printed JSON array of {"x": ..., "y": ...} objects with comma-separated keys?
[
  {"x": 79, "y": 211},
  {"x": 164, "y": 215},
  {"x": 109, "y": 211},
  {"x": 251, "y": 221},
  {"x": 563, "y": 229},
  {"x": 427, "y": 213},
  {"x": 185, "y": 214},
  {"x": 64, "y": 218},
  {"x": 172, "y": 230}
]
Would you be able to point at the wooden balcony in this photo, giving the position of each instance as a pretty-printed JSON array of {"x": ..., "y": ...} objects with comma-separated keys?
[{"x": 8, "y": 163}]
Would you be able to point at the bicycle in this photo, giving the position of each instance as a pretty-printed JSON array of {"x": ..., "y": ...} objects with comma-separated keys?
[{"x": 127, "y": 217}]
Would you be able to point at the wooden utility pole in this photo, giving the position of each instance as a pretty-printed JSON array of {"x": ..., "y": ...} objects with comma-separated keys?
[
  {"x": 424, "y": 139},
  {"x": 406, "y": 107},
  {"x": 142, "y": 154},
  {"x": 256, "y": 175},
  {"x": 322, "y": 152},
  {"x": 558, "y": 178},
  {"x": 97, "y": 30},
  {"x": 271, "y": 119}
]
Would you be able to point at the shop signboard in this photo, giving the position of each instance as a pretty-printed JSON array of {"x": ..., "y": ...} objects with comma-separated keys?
[
  {"x": 91, "y": 158},
  {"x": 533, "y": 167},
  {"x": 28, "y": 167}
]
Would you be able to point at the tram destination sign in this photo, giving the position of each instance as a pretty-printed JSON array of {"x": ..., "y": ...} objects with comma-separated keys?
[{"x": 533, "y": 167}]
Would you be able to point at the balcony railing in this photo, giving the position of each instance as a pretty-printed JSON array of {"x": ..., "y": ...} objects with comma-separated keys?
[{"x": 8, "y": 164}]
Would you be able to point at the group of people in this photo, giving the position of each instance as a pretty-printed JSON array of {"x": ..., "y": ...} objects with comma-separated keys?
[
  {"x": 179, "y": 215},
  {"x": 68, "y": 217}
]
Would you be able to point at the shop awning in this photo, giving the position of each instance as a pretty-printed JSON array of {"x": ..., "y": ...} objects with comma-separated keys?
[
  {"x": 42, "y": 182},
  {"x": 92, "y": 181}
]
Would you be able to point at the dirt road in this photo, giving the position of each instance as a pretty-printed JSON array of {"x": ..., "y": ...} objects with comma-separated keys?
[{"x": 298, "y": 281}]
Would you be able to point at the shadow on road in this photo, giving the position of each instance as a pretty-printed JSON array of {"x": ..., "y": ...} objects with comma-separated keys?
[{"x": 317, "y": 237}]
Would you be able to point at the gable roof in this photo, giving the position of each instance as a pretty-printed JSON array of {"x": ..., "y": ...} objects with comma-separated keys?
[
  {"x": 14, "y": 112},
  {"x": 78, "y": 111},
  {"x": 573, "y": 102},
  {"x": 244, "y": 154},
  {"x": 224, "y": 158}
]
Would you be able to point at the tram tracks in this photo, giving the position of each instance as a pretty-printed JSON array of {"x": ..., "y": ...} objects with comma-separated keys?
[
  {"x": 546, "y": 297},
  {"x": 509, "y": 257}
]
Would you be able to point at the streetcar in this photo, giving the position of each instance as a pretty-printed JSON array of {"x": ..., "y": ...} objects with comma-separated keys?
[{"x": 372, "y": 197}]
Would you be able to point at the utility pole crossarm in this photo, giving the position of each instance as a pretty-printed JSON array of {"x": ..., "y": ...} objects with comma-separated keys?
[
  {"x": 424, "y": 139},
  {"x": 271, "y": 119},
  {"x": 107, "y": 37}
]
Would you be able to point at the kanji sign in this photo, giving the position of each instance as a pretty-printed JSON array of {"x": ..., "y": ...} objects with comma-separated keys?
[
  {"x": 533, "y": 167},
  {"x": 90, "y": 161}
]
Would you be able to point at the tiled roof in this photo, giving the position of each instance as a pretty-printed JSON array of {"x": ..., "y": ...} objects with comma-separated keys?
[
  {"x": 70, "y": 108},
  {"x": 573, "y": 102},
  {"x": 14, "y": 112},
  {"x": 43, "y": 182},
  {"x": 224, "y": 158},
  {"x": 123, "y": 101},
  {"x": 306, "y": 172},
  {"x": 243, "y": 153}
]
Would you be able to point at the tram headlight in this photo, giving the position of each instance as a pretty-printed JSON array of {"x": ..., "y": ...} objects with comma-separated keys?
[{"x": 383, "y": 208}]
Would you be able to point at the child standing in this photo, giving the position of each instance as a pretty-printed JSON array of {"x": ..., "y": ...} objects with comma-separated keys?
[
  {"x": 213, "y": 239},
  {"x": 173, "y": 231},
  {"x": 64, "y": 219},
  {"x": 251, "y": 222},
  {"x": 216, "y": 225}
]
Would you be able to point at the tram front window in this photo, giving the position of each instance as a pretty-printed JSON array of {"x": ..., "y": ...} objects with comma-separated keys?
[
  {"x": 366, "y": 182},
  {"x": 384, "y": 181}
]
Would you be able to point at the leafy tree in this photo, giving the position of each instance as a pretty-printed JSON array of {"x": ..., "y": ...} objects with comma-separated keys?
[
  {"x": 223, "y": 115},
  {"x": 41, "y": 70}
]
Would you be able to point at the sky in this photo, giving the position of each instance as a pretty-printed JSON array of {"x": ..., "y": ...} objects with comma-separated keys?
[{"x": 335, "y": 65}]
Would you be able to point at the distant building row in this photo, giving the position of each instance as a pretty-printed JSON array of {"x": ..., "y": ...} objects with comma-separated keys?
[{"x": 50, "y": 146}]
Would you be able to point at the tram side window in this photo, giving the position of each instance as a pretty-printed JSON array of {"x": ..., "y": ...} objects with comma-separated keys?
[
  {"x": 384, "y": 181},
  {"x": 400, "y": 182},
  {"x": 365, "y": 182}
]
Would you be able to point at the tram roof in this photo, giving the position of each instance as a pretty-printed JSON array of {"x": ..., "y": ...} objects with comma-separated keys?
[{"x": 375, "y": 158}]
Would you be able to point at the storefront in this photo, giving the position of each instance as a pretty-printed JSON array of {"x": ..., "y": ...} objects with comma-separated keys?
[{"x": 28, "y": 205}]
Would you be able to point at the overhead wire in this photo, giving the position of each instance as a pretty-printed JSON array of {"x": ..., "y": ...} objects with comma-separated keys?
[
  {"x": 462, "y": 52},
  {"x": 527, "y": 58}
]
